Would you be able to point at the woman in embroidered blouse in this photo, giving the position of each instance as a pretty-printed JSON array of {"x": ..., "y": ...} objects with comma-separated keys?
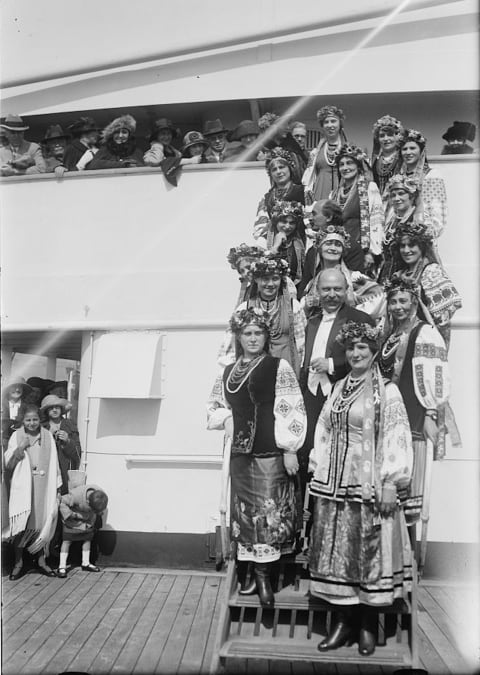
[
  {"x": 433, "y": 196},
  {"x": 321, "y": 177},
  {"x": 280, "y": 165},
  {"x": 270, "y": 293},
  {"x": 33, "y": 502},
  {"x": 360, "y": 552},
  {"x": 386, "y": 157},
  {"x": 414, "y": 357},
  {"x": 240, "y": 258},
  {"x": 415, "y": 259},
  {"x": 363, "y": 214},
  {"x": 259, "y": 404}
]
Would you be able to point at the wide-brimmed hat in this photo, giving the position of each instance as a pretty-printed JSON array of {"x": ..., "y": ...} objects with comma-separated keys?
[
  {"x": 192, "y": 138},
  {"x": 14, "y": 123},
  {"x": 15, "y": 380},
  {"x": 53, "y": 132},
  {"x": 460, "y": 131},
  {"x": 82, "y": 126},
  {"x": 163, "y": 123},
  {"x": 245, "y": 128},
  {"x": 52, "y": 400},
  {"x": 214, "y": 127}
]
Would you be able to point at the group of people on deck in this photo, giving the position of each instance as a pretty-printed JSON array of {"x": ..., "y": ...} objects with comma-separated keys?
[
  {"x": 334, "y": 371},
  {"x": 42, "y": 509}
]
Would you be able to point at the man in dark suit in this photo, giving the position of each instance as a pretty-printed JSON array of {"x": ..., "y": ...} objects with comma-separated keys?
[{"x": 324, "y": 362}]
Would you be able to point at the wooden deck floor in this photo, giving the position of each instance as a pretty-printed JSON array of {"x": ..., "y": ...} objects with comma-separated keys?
[{"x": 147, "y": 621}]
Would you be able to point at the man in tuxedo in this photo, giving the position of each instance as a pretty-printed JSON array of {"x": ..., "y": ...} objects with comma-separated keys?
[{"x": 324, "y": 362}]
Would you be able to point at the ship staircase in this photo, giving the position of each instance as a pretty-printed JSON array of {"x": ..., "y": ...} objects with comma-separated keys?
[{"x": 291, "y": 631}]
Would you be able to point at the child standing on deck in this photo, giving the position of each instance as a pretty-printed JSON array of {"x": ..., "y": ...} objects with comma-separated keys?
[{"x": 79, "y": 510}]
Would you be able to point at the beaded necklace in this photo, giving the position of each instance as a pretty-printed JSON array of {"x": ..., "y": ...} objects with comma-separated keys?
[
  {"x": 241, "y": 372},
  {"x": 351, "y": 388},
  {"x": 275, "y": 329},
  {"x": 331, "y": 151}
]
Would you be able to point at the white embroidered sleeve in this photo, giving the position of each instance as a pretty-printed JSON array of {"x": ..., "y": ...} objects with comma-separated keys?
[
  {"x": 262, "y": 220},
  {"x": 377, "y": 218},
  {"x": 431, "y": 378},
  {"x": 288, "y": 410},
  {"x": 397, "y": 440},
  {"x": 435, "y": 200},
  {"x": 320, "y": 453},
  {"x": 217, "y": 407},
  {"x": 299, "y": 326}
]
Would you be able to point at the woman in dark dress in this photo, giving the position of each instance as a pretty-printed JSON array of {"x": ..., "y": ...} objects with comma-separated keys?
[
  {"x": 280, "y": 167},
  {"x": 119, "y": 147},
  {"x": 257, "y": 401},
  {"x": 65, "y": 434}
]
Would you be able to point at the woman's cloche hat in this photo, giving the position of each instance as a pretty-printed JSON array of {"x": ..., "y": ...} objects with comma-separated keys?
[
  {"x": 52, "y": 400},
  {"x": 163, "y": 123},
  {"x": 14, "y": 123},
  {"x": 15, "y": 381},
  {"x": 53, "y": 132},
  {"x": 192, "y": 138},
  {"x": 82, "y": 126},
  {"x": 245, "y": 128}
]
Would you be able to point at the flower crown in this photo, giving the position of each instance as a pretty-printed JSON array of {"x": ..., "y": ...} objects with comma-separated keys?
[
  {"x": 353, "y": 151},
  {"x": 330, "y": 111},
  {"x": 236, "y": 253},
  {"x": 353, "y": 330},
  {"x": 246, "y": 317},
  {"x": 398, "y": 282},
  {"x": 401, "y": 180},
  {"x": 283, "y": 209},
  {"x": 264, "y": 266},
  {"x": 389, "y": 122},
  {"x": 415, "y": 136},
  {"x": 332, "y": 232},
  {"x": 280, "y": 153},
  {"x": 267, "y": 120},
  {"x": 415, "y": 231}
]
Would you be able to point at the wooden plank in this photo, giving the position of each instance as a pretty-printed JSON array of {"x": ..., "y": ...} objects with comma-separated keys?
[
  {"x": 82, "y": 621},
  {"x": 208, "y": 656},
  {"x": 29, "y": 614},
  {"x": 105, "y": 623},
  {"x": 196, "y": 645},
  {"x": 280, "y": 667},
  {"x": 301, "y": 668},
  {"x": 155, "y": 643},
  {"x": 128, "y": 657},
  {"x": 13, "y": 589},
  {"x": 47, "y": 638},
  {"x": 61, "y": 603},
  {"x": 134, "y": 598},
  {"x": 177, "y": 639},
  {"x": 430, "y": 660},
  {"x": 447, "y": 653},
  {"x": 236, "y": 666},
  {"x": 257, "y": 667},
  {"x": 324, "y": 668}
]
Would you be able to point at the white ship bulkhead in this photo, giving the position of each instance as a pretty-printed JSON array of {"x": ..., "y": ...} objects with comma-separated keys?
[{"x": 143, "y": 291}]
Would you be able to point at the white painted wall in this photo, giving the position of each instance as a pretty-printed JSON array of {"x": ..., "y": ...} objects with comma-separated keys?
[{"x": 137, "y": 252}]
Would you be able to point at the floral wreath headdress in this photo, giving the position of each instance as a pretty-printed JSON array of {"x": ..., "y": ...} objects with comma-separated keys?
[
  {"x": 282, "y": 209},
  {"x": 282, "y": 154},
  {"x": 267, "y": 120},
  {"x": 236, "y": 253},
  {"x": 353, "y": 151},
  {"x": 398, "y": 282},
  {"x": 265, "y": 266},
  {"x": 387, "y": 122},
  {"x": 415, "y": 136},
  {"x": 353, "y": 330},
  {"x": 330, "y": 111},
  {"x": 401, "y": 180},
  {"x": 416, "y": 231},
  {"x": 337, "y": 232},
  {"x": 245, "y": 317}
]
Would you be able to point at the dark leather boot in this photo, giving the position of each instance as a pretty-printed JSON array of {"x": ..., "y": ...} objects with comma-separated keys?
[
  {"x": 339, "y": 634},
  {"x": 248, "y": 585},
  {"x": 264, "y": 588},
  {"x": 368, "y": 631}
]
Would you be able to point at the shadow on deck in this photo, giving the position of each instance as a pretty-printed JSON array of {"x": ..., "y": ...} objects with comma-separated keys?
[{"x": 165, "y": 621}]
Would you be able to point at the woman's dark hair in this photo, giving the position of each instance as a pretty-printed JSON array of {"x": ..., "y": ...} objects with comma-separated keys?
[
  {"x": 31, "y": 408},
  {"x": 422, "y": 244},
  {"x": 332, "y": 211},
  {"x": 98, "y": 501},
  {"x": 238, "y": 348}
]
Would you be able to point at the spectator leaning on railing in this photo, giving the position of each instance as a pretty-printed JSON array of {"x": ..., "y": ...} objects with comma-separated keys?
[{"x": 18, "y": 156}]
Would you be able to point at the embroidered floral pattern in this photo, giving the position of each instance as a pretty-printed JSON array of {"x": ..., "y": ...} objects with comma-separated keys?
[{"x": 283, "y": 407}]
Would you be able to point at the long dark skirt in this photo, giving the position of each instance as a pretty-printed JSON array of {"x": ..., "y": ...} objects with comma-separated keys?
[
  {"x": 356, "y": 556},
  {"x": 264, "y": 508}
]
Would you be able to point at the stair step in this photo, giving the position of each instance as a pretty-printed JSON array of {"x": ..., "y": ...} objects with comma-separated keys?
[
  {"x": 289, "y": 598},
  {"x": 391, "y": 654}
]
